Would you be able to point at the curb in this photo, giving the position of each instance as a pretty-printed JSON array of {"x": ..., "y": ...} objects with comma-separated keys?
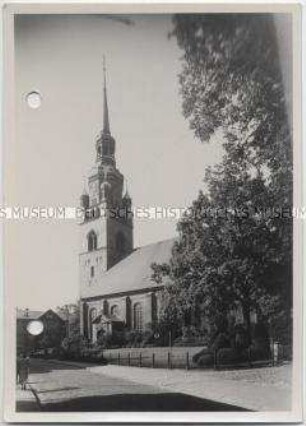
[
  {"x": 79, "y": 364},
  {"x": 33, "y": 390}
]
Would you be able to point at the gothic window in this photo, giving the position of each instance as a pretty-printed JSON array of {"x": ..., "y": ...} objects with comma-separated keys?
[
  {"x": 93, "y": 313},
  {"x": 128, "y": 309},
  {"x": 92, "y": 316},
  {"x": 92, "y": 241},
  {"x": 115, "y": 310},
  {"x": 138, "y": 317}
]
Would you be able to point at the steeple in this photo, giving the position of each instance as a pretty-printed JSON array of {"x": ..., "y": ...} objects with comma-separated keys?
[
  {"x": 106, "y": 129},
  {"x": 105, "y": 143}
]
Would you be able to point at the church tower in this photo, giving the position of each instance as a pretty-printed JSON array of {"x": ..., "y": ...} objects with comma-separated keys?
[{"x": 107, "y": 227}]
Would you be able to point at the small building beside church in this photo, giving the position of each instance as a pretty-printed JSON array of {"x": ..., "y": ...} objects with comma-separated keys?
[
  {"x": 54, "y": 330},
  {"x": 116, "y": 289}
]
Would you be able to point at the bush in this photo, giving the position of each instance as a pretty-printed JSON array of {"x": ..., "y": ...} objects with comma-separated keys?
[
  {"x": 133, "y": 338},
  {"x": 116, "y": 339},
  {"x": 286, "y": 352},
  {"x": 221, "y": 341},
  {"x": 181, "y": 344},
  {"x": 191, "y": 336},
  {"x": 260, "y": 332},
  {"x": 229, "y": 356},
  {"x": 92, "y": 354},
  {"x": 261, "y": 345},
  {"x": 259, "y": 354},
  {"x": 239, "y": 337},
  {"x": 205, "y": 360},
  {"x": 198, "y": 355}
]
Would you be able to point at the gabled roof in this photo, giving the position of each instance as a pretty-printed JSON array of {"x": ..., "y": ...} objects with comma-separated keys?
[
  {"x": 53, "y": 313},
  {"x": 133, "y": 273},
  {"x": 28, "y": 314}
]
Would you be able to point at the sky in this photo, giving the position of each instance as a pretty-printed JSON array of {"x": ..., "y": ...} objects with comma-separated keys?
[{"x": 61, "y": 57}]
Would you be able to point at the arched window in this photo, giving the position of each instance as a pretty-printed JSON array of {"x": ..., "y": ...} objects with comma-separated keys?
[
  {"x": 105, "y": 307},
  {"x": 92, "y": 316},
  {"x": 92, "y": 241},
  {"x": 128, "y": 310},
  {"x": 115, "y": 310},
  {"x": 92, "y": 271},
  {"x": 138, "y": 317},
  {"x": 85, "y": 319}
]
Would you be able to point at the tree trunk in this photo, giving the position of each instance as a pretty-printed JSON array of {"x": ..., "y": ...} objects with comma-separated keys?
[{"x": 247, "y": 319}]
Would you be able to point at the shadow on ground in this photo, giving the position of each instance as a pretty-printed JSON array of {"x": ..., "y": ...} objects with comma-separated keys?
[
  {"x": 68, "y": 388},
  {"x": 26, "y": 406},
  {"x": 139, "y": 402},
  {"x": 40, "y": 366}
]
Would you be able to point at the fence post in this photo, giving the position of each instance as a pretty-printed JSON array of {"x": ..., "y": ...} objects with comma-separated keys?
[
  {"x": 118, "y": 358},
  {"x": 129, "y": 359},
  {"x": 169, "y": 360},
  {"x": 153, "y": 360},
  {"x": 215, "y": 359},
  {"x": 140, "y": 359},
  {"x": 187, "y": 361}
]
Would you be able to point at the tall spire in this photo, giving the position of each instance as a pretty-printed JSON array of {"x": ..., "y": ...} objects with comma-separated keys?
[{"x": 106, "y": 129}]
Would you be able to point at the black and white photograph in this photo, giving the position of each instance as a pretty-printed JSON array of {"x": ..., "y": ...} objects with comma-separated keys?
[{"x": 152, "y": 216}]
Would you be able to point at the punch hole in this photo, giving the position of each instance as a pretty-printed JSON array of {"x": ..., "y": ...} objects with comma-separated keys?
[
  {"x": 34, "y": 100},
  {"x": 35, "y": 327}
]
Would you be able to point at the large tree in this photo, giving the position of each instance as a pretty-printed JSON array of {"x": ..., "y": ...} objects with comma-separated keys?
[{"x": 232, "y": 82}]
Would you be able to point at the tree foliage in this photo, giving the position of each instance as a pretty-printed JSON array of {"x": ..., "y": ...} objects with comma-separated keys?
[{"x": 235, "y": 243}]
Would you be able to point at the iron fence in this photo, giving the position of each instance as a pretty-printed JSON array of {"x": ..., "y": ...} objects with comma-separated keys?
[
  {"x": 184, "y": 359},
  {"x": 152, "y": 360}
]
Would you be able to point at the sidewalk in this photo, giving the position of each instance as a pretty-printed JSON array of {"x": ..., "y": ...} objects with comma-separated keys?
[
  {"x": 63, "y": 388},
  {"x": 264, "y": 389},
  {"x": 26, "y": 401}
]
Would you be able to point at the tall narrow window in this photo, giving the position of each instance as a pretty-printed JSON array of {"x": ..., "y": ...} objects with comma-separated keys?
[
  {"x": 105, "y": 307},
  {"x": 120, "y": 245},
  {"x": 115, "y": 310},
  {"x": 92, "y": 241},
  {"x": 92, "y": 316},
  {"x": 138, "y": 317}
]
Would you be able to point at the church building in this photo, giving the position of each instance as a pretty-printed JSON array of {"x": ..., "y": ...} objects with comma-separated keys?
[{"x": 116, "y": 289}]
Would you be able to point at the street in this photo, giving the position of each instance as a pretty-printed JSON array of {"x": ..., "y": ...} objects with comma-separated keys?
[{"x": 59, "y": 386}]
